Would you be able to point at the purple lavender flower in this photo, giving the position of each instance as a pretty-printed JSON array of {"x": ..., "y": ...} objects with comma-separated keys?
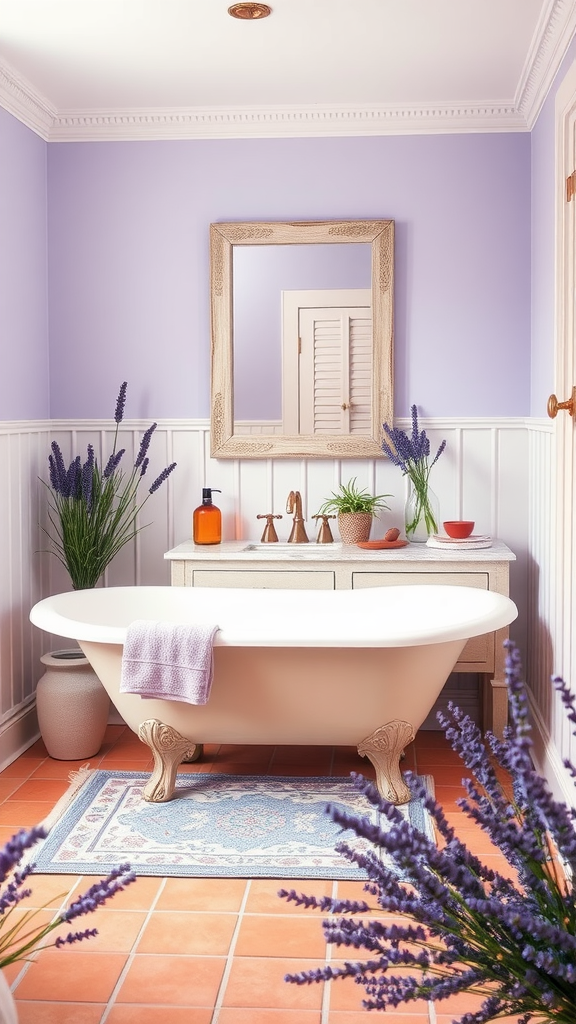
[
  {"x": 144, "y": 445},
  {"x": 75, "y": 937},
  {"x": 87, "y": 479},
  {"x": 113, "y": 463},
  {"x": 12, "y": 852},
  {"x": 121, "y": 402},
  {"x": 98, "y": 893},
  {"x": 406, "y": 452},
  {"x": 160, "y": 479},
  {"x": 57, "y": 468},
  {"x": 73, "y": 486}
]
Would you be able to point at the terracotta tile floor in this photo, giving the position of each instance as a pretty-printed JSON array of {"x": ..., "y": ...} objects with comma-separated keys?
[{"x": 198, "y": 951}]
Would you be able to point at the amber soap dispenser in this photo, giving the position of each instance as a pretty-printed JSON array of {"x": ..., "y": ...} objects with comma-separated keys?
[{"x": 207, "y": 520}]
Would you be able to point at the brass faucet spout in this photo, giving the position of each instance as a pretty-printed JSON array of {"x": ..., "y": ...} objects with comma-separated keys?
[{"x": 294, "y": 507}]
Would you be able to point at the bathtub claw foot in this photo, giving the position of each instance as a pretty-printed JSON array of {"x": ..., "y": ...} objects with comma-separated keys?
[
  {"x": 384, "y": 748},
  {"x": 169, "y": 749},
  {"x": 197, "y": 753}
]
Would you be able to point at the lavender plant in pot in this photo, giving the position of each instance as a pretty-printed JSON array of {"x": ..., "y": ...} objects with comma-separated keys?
[{"x": 93, "y": 512}]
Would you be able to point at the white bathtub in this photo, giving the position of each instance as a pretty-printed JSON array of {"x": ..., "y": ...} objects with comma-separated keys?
[{"x": 360, "y": 667}]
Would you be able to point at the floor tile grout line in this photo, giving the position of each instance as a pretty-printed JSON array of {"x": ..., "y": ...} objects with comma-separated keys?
[
  {"x": 218, "y": 1003},
  {"x": 428, "y": 752},
  {"x": 325, "y": 1009},
  {"x": 130, "y": 958}
]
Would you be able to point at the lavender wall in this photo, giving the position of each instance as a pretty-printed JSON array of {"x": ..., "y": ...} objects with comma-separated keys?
[
  {"x": 261, "y": 273},
  {"x": 128, "y": 255},
  {"x": 543, "y": 148},
  {"x": 24, "y": 383}
]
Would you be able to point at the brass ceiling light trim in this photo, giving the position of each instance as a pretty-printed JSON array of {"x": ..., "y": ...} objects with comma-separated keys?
[{"x": 249, "y": 11}]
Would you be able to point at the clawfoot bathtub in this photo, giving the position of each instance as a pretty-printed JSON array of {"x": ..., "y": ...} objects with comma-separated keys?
[{"x": 361, "y": 667}]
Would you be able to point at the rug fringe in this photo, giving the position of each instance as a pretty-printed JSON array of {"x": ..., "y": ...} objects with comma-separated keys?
[{"x": 76, "y": 778}]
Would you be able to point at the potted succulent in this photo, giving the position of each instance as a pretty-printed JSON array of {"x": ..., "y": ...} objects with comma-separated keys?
[{"x": 355, "y": 510}]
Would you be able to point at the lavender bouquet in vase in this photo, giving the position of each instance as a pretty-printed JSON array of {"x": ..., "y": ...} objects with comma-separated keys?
[{"x": 411, "y": 454}]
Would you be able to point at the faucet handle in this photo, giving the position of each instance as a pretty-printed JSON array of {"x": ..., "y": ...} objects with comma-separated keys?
[
  {"x": 324, "y": 533},
  {"x": 269, "y": 536}
]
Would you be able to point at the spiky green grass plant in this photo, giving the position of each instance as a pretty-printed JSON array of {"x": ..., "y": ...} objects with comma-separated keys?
[
  {"x": 93, "y": 513},
  {"x": 350, "y": 498}
]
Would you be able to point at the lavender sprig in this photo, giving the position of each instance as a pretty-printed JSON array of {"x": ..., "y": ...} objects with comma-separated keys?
[
  {"x": 163, "y": 476},
  {"x": 92, "y": 513},
  {"x": 144, "y": 446},
  {"x": 20, "y": 936},
  {"x": 468, "y": 928},
  {"x": 121, "y": 402}
]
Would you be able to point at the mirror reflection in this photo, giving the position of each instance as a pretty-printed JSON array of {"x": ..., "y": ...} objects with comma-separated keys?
[{"x": 300, "y": 313}]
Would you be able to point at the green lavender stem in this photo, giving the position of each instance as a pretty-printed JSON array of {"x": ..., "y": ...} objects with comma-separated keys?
[{"x": 422, "y": 507}]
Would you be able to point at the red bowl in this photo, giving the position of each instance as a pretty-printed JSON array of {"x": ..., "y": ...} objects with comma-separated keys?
[{"x": 458, "y": 528}]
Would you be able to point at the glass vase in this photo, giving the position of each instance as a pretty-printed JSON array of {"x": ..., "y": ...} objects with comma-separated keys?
[{"x": 421, "y": 514}]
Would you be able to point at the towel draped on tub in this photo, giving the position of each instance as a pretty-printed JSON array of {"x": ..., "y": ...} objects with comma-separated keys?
[{"x": 168, "y": 660}]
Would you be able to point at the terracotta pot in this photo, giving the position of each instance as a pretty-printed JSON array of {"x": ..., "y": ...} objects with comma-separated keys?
[
  {"x": 72, "y": 706},
  {"x": 8, "y": 1013},
  {"x": 354, "y": 526}
]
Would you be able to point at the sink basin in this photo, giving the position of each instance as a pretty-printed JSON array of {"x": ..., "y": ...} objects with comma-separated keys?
[{"x": 295, "y": 550}]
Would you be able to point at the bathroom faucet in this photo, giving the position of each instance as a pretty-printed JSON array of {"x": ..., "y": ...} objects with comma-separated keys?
[{"x": 298, "y": 531}]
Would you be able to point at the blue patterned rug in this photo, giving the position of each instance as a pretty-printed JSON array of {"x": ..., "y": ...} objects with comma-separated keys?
[{"x": 225, "y": 826}]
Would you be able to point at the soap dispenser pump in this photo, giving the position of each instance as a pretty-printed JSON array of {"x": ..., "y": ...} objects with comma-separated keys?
[{"x": 207, "y": 520}]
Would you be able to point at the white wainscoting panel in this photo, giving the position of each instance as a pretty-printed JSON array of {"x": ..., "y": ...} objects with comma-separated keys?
[{"x": 497, "y": 472}]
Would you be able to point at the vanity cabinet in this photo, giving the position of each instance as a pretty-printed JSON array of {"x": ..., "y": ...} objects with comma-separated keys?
[{"x": 338, "y": 566}]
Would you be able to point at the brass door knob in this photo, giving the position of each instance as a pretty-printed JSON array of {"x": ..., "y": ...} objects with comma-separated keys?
[{"x": 554, "y": 405}]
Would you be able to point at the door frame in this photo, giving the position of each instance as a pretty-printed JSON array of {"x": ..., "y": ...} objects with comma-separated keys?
[{"x": 564, "y": 377}]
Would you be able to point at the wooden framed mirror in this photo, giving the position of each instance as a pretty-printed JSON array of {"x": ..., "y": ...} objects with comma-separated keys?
[{"x": 302, "y": 338}]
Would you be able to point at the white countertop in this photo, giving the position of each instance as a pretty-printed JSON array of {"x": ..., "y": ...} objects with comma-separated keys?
[{"x": 239, "y": 551}]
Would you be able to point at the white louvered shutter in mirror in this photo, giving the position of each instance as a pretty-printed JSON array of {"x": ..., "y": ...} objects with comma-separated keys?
[{"x": 335, "y": 370}]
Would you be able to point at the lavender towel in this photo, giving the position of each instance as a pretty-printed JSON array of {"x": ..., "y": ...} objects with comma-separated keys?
[{"x": 168, "y": 660}]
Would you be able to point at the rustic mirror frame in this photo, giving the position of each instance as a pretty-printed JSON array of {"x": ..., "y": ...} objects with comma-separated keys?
[{"x": 223, "y": 236}]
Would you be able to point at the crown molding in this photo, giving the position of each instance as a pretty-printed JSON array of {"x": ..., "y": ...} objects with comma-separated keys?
[
  {"x": 552, "y": 37},
  {"x": 285, "y": 122},
  {"x": 19, "y": 98}
]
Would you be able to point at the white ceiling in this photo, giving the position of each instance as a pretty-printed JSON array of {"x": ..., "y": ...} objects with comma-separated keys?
[{"x": 185, "y": 68}]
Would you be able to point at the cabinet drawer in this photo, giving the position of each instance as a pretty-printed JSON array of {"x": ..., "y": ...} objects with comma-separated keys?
[
  {"x": 264, "y": 579},
  {"x": 361, "y": 580},
  {"x": 478, "y": 654}
]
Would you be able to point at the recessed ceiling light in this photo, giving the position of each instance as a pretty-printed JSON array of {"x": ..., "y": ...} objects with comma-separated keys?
[{"x": 249, "y": 12}]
